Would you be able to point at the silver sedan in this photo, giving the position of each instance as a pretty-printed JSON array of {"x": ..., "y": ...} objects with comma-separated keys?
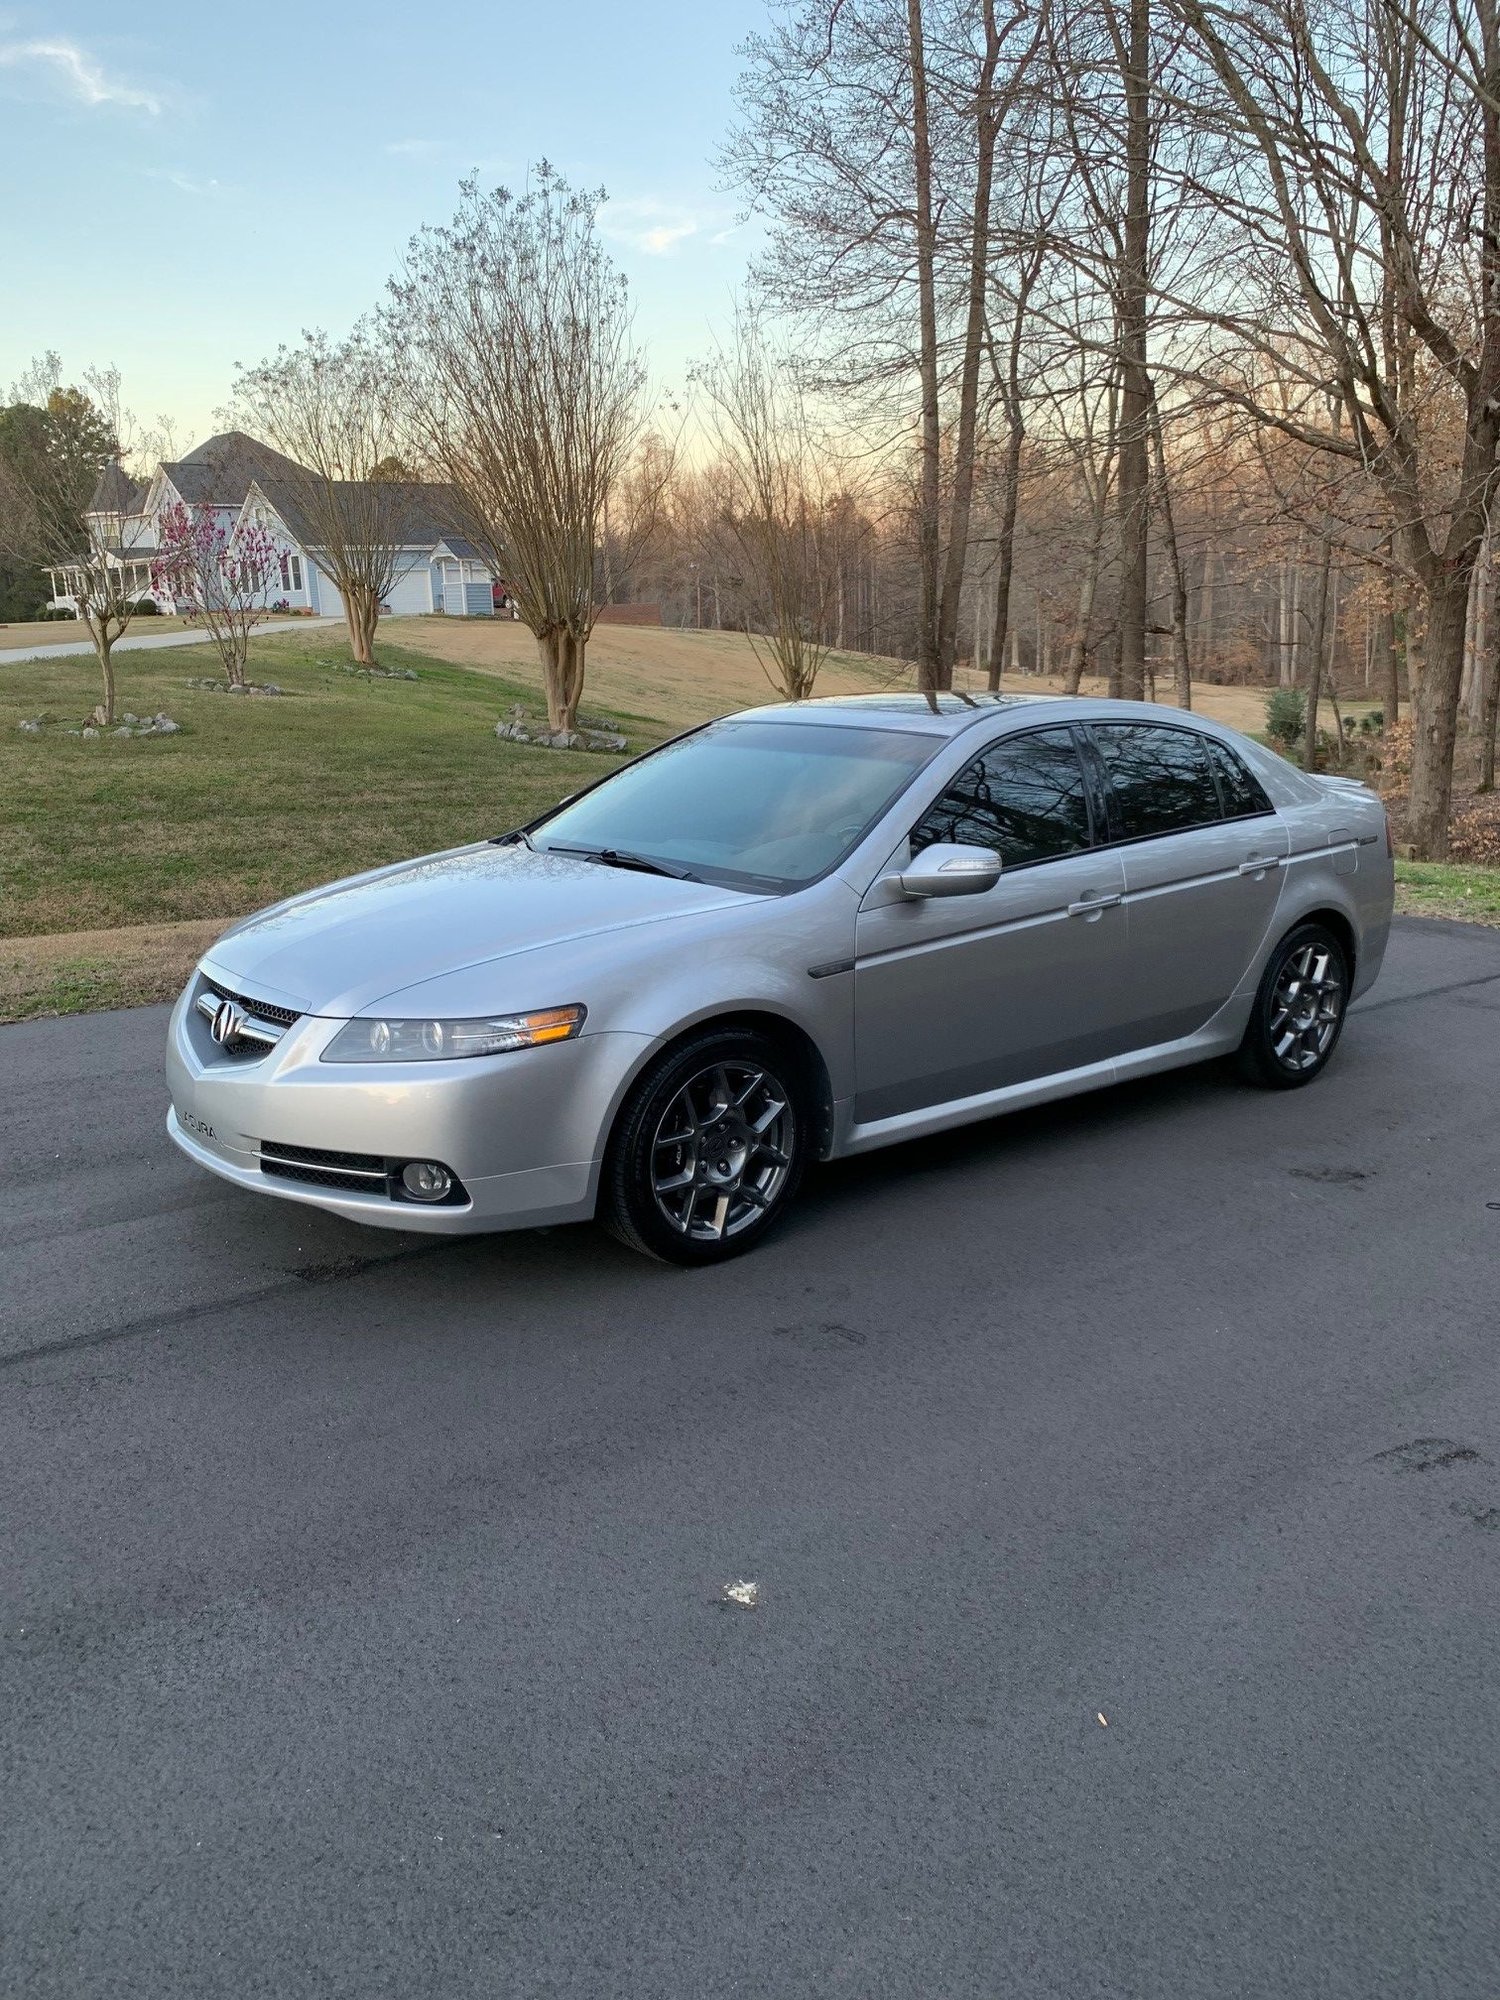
[{"x": 796, "y": 933}]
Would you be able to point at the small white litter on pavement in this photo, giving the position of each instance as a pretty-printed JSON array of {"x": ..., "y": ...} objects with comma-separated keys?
[{"x": 746, "y": 1594}]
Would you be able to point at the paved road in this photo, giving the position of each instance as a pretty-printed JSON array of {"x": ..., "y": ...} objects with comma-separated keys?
[
  {"x": 362, "y": 1627},
  {"x": 146, "y": 642}
]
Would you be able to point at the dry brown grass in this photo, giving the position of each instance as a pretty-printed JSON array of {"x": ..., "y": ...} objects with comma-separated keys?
[
  {"x": 84, "y": 970},
  {"x": 640, "y": 669},
  {"x": 73, "y": 632}
]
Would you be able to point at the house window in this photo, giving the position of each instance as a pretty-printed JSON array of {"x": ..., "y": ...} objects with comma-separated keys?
[{"x": 291, "y": 572}]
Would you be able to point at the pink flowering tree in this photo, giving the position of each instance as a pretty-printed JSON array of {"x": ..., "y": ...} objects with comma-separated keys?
[{"x": 219, "y": 577}]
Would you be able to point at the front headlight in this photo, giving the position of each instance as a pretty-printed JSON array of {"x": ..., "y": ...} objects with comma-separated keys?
[{"x": 442, "y": 1041}]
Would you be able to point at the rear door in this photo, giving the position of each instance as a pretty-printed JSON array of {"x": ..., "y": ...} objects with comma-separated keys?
[
  {"x": 1203, "y": 851},
  {"x": 958, "y": 996}
]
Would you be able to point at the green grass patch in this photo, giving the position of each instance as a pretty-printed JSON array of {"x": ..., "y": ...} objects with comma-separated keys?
[
  {"x": 256, "y": 798},
  {"x": 1448, "y": 889}
]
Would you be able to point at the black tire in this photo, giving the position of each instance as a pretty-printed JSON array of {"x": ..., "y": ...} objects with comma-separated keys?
[
  {"x": 1299, "y": 1010},
  {"x": 689, "y": 1177}
]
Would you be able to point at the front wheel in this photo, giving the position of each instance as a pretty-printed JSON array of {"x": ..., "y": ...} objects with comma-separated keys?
[
  {"x": 709, "y": 1150},
  {"x": 1299, "y": 1010}
]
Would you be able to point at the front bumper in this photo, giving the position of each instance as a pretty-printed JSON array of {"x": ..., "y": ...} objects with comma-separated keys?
[{"x": 524, "y": 1133}]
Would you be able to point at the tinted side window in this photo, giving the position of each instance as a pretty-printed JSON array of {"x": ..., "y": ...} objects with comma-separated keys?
[
  {"x": 1161, "y": 777},
  {"x": 1025, "y": 797},
  {"x": 1238, "y": 785}
]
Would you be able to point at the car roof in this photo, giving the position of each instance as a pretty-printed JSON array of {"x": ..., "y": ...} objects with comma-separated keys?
[{"x": 953, "y": 714}]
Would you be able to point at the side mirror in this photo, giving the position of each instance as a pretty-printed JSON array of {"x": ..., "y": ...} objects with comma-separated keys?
[{"x": 948, "y": 868}]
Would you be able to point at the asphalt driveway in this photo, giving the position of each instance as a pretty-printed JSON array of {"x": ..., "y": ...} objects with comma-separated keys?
[{"x": 1120, "y": 1486}]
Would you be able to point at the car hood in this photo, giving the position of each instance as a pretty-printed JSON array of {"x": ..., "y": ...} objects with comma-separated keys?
[{"x": 344, "y": 948}]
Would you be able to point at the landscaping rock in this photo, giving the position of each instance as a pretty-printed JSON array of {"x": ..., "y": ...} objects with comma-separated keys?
[
  {"x": 129, "y": 719},
  {"x": 31, "y": 729},
  {"x": 123, "y": 730},
  {"x": 165, "y": 726},
  {"x": 91, "y": 731},
  {"x": 523, "y": 728}
]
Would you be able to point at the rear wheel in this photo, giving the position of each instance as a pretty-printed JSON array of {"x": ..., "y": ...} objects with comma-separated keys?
[
  {"x": 709, "y": 1150},
  {"x": 1299, "y": 1010}
]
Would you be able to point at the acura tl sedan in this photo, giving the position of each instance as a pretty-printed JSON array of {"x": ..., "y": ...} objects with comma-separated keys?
[{"x": 797, "y": 933}]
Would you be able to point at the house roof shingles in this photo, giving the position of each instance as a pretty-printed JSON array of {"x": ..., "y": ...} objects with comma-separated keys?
[
  {"x": 221, "y": 471},
  {"x": 116, "y": 492}
]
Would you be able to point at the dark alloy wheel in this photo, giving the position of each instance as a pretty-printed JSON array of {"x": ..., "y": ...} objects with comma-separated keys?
[
  {"x": 1299, "y": 1010},
  {"x": 708, "y": 1151}
]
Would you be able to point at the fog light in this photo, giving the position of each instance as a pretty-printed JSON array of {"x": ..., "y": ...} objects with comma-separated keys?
[{"x": 425, "y": 1180}]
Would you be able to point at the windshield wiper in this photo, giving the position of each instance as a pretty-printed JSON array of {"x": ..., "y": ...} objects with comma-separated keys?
[
  {"x": 614, "y": 857},
  {"x": 510, "y": 839}
]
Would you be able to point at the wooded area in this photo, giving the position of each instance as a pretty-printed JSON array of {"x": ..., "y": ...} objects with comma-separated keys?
[{"x": 1150, "y": 338}]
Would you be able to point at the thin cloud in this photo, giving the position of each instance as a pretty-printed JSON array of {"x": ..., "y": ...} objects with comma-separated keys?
[
  {"x": 654, "y": 227},
  {"x": 184, "y": 183},
  {"x": 414, "y": 149},
  {"x": 80, "y": 74}
]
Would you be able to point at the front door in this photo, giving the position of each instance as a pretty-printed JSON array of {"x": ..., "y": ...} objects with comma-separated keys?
[{"x": 958, "y": 996}]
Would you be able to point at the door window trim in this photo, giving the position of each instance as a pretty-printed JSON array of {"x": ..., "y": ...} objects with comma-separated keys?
[{"x": 1092, "y": 803}]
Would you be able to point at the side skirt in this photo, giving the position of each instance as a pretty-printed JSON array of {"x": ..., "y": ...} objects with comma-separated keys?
[{"x": 1218, "y": 1037}]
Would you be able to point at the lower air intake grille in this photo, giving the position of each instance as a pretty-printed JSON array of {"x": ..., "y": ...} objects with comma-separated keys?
[
  {"x": 362, "y": 1173},
  {"x": 359, "y": 1173}
]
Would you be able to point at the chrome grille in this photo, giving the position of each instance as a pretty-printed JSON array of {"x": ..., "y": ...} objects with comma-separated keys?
[
  {"x": 243, "y": 1029},
  {"x": 263, "y": 1010}
]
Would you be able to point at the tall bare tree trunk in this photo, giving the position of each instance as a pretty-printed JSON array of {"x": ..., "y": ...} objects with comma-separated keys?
[
  {"x": 1005, "y": 553},
  {"x": 929, "y": 646},
  {"x": 1182, "y": 672},
  {"x": 1135, "y": 474},
  {"x": 1435, "y": 716},
  {"x": 1315, "y": 666},
  {"x": 1206, "y": 609},
  {"x": 1490, "y": 719},
  {"x": 1391, "y": 679},
  {"x": 986, "y": 127}
]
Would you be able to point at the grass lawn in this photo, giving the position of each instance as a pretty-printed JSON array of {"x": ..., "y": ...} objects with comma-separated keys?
[
  {"x": 256, "y": 797},
  {"x": 1448, "y": 889}
]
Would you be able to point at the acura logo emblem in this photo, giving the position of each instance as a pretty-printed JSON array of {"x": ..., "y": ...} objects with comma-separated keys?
[{"x": 228, "y": 1021}]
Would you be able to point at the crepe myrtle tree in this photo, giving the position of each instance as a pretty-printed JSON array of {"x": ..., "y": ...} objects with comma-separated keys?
[
  {"x": 513, "y": 336},
  {"x": 329, "y": 406},
  {"x": 220, "y": 578}
]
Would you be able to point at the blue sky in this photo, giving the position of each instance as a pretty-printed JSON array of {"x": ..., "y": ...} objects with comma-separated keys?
[{"x": 182, "y": 187}]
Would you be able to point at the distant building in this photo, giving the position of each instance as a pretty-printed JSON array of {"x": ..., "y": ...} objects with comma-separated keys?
[{"x": 235, "y": 479}]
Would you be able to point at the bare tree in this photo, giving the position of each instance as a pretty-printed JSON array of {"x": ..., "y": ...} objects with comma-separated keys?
[
  {"x": 329, "y": 407},
  {"x": 45, "y": 492},
  {"x": 776, "y": 503},
  {"x": 525, "y": 388},
  {"x": 871, "y": 133},
  {"x": 1360, "y": 180}
]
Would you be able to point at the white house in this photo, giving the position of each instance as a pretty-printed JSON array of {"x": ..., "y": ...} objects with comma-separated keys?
[{"x": 236, "y": 478}]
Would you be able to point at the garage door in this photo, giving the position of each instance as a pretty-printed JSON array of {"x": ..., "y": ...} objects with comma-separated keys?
[
  {"x": 330, "y": 604},
  {"x": 411, "y": 593}
]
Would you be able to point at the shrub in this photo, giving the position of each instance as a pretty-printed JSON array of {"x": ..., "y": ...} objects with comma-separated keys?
[
  {"x": 1286, "y": 715},
  {"x": 146, "y": 607}
]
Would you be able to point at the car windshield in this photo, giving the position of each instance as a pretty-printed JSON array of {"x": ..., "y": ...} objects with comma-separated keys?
[{"x": 753, "y": 805}]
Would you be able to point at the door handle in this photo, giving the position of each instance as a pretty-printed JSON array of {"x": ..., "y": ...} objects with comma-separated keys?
[
  {"x": 1259, "y": 863},
  {"x": 1092, "y": 905}
]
